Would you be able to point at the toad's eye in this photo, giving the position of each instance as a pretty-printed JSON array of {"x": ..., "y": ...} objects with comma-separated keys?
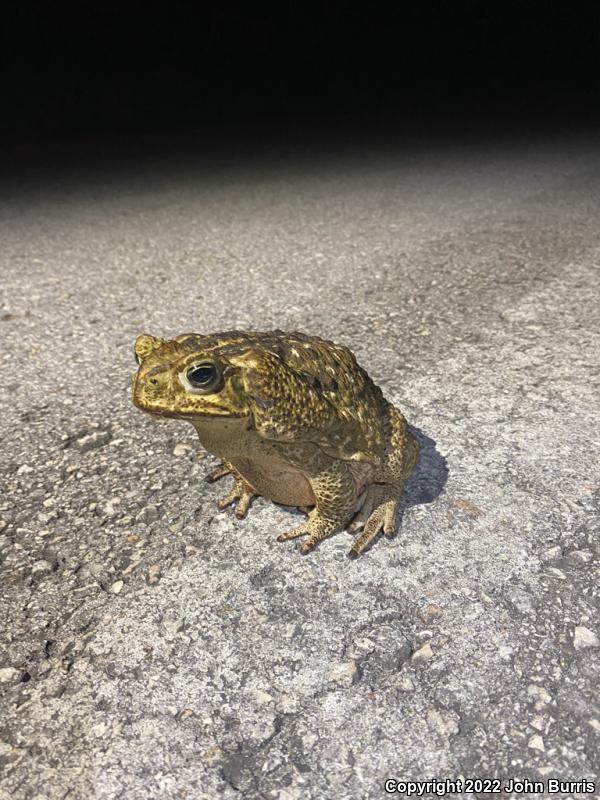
[{"x": 203, "y": 376}]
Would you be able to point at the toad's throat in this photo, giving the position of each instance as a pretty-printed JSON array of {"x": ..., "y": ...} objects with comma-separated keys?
[
  {"x": 257, "y": 460},
  {"x": 281, "y": 482}
]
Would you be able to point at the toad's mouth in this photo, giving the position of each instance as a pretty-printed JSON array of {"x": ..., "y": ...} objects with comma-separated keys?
[{"x": 166, "y": 413}]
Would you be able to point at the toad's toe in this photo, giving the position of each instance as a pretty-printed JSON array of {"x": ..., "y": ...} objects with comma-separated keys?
[{"x": 385, "y": 502}]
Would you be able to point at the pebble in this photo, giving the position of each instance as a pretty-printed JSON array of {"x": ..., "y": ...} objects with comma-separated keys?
[
  {"x": 9, "y": 675},
  {"x": 345, "y": 673},
  {"x": 116, "y": 587},
  {"x": 469, "y": 507},
  {"x": 41, "y": 568},
  {"x": 424, "y": 653},
  {"x": 181, "y": 449},
  {"x": 536, "y": 743},
  {"x": 553, "y": 552},
  {"x": 262, "y": 697},
  {"x": 212, "y": 755},
  {"x": 582, "y": 556},
  {"x": 405, "y": 684},
  {"x": 147, "y": 514},
  {"x": 173, "y": 625},
  {"x": 92, "y": 441},
  {"x": 433, "y": 611},
  {"x": 542, "y": 695},
  {"x": 505, "y": 652},
  {"x": 154, "y": 573},
  {"x": 108, "y": 508},
  {"x": 292, "y": 629},
  {"x": 421, "y": 636},
  {"x": 364, "y": 643},
  {"x": 444, "y": 724},
  {"x": 584, "y": 637}
]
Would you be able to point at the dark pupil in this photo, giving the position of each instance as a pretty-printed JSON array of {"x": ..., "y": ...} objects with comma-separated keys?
[{"x": 201, "y": 375}]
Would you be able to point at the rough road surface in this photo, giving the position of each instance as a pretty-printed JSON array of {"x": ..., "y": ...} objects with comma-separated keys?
[{"x": 152, "y": 647}]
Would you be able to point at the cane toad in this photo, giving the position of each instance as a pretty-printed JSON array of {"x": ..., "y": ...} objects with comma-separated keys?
[{"x": 293, "y": 418}]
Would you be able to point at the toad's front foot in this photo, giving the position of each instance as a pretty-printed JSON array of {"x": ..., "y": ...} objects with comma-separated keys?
[{"x": 242, "y": 495}]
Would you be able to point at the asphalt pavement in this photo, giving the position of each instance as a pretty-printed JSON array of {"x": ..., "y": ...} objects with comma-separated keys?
[{"x": 153, "y": 647}]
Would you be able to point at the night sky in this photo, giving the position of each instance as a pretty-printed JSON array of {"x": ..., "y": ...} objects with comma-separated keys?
[{"x": 96, "y": 72}]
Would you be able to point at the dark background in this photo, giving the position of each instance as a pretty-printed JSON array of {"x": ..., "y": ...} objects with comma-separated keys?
[{"x": 112, "y": 72}]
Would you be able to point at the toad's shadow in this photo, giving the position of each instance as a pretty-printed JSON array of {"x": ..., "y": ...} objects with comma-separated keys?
[
  {"x": 428, "y": 479},
  {"x": 430, "y": 475}
]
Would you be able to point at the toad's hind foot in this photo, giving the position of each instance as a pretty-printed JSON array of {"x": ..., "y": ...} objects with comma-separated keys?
[
  {"x": 223, "y": 469},
  {"x": 315, "y": 528},
  {"x": 242, "y": 495},
  {"x": 334, "y": 491},
  {"x": 378, "y": 511}
]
